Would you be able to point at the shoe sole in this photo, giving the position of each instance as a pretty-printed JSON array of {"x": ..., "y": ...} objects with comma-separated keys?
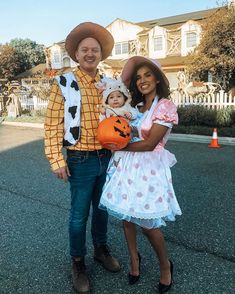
[{"x": 79, "y": 292}]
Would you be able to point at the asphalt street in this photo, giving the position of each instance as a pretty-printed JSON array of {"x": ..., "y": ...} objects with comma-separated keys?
[{"x": 34, "y": 206}]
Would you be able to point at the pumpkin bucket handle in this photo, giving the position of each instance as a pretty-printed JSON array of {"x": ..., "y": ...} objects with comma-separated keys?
[{"x": 112, "y": 111}]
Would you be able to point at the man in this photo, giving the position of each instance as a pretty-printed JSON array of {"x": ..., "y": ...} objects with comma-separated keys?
[{"x": 71, "y": 122}]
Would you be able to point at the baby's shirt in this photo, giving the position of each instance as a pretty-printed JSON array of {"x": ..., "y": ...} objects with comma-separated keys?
[{"x": 120, "y": 111}]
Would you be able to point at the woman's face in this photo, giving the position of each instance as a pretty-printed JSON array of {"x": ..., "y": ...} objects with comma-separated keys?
[{"x": 146, "y": 81}]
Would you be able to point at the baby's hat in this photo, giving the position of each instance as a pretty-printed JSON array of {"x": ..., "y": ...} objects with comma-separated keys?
[{"x": 108, "y": 85}]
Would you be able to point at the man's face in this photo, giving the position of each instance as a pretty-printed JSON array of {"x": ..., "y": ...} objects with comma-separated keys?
[{"x": 89, "y": 55}]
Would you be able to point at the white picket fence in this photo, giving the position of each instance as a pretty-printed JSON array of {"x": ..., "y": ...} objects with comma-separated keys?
[
  {"x": 216, "y": 101},
  {"x": 32, "y": 103}
]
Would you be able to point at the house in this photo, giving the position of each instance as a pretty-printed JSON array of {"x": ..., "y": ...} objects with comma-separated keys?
[{"x": 167, "y": 39}]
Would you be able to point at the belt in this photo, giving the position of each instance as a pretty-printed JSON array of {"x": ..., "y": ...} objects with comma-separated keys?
[{"x": 89, "y": 153}]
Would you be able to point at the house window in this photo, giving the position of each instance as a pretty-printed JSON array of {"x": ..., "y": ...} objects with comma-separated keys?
[
  {"x": 121, "y": 48},
  {"x": 158, "y": 44},
  {"x": 66, "y": 62},
  {"x": 191, "y": 39},
  {"x": 56, "y": 56}
]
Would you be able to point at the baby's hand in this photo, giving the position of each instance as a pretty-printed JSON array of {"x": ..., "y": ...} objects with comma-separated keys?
[
  {"x": 102, "y": 109},
  {"x": 127, "y": 115}
]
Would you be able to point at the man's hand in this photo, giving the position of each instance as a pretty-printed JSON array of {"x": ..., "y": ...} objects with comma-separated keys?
[{"x": 62, "y": 173}]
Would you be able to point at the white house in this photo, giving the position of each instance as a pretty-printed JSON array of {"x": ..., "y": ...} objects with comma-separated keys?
[{"x": 167, "y": 39}]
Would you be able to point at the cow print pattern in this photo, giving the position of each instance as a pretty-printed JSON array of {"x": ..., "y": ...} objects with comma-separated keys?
[
  {"x": 74, "y": 85},
  {"x": 72, "y": 105},
  {"x": 63, "y": 81},
  {"x": 66, "y": 143},
  {"x": 75, "y": 132},
  {"x": 72, "y": 111}
]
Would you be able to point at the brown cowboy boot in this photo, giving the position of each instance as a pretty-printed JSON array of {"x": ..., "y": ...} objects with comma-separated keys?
[
  {"x": 79, "y": 276},
  {"x": 102, "y": 255}
]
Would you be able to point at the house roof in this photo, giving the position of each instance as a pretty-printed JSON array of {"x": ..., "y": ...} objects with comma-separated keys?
[
  {"x": 114, "y": 63},
  {"x": 169, "y": 61},
  {"x": 121, "y": 20},
  {"x": 143, "y": 32},
  {"x": 170, "y": 22},
  {"x": 38, "y": 69},
  {"x": 177, "y": 19}
]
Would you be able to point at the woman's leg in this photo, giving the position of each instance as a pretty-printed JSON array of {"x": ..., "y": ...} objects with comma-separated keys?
[
  {"x": 157, "y": 241},
  {"x": 130, "y": 234}
]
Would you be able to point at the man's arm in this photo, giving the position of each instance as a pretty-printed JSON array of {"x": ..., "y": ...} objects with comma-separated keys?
[{"x": 54, "y": 133}]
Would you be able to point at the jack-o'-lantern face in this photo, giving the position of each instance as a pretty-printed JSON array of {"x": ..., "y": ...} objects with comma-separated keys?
[
  {"x": 114, "y": 133},
  {"x": 122, "y": 128}
]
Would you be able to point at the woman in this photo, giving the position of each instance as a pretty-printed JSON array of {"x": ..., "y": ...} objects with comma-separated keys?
[{"x": 138, "y": 187}]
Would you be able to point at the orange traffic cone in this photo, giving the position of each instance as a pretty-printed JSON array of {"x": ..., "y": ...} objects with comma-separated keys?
[{"x": 214, "y": 142}]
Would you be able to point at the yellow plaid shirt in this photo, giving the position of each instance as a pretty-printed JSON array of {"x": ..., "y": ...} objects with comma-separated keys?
[{"x": 54, "y": 121}]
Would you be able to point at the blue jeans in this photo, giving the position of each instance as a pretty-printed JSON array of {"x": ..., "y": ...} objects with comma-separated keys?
[{"x": 88, "y": 173}]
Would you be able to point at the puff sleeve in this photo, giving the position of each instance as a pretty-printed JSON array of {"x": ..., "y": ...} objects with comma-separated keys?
[{"x": 165, "y": 113}]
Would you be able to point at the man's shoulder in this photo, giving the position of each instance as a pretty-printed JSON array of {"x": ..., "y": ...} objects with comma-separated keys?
[
  {"x": 65, "y": 74},
  {"x": 66, "y": 78}
]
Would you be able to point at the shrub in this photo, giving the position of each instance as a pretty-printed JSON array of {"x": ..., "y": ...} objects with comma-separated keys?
[
  {"x": 26, "y": 112},
  {"x": 233, "y": 117},
  {"x": 223, "y": 117},
  {"x": 204, "y": 130},
  {"x": 38, "y": 112},
  {"x": 209, "y": 117},
  {"x": 195, "y": 115}
]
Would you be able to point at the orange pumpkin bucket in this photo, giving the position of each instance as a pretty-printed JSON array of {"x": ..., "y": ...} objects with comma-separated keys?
[{"x": 114, "y": 133}]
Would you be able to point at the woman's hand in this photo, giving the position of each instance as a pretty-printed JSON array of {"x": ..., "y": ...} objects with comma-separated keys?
[{"x": 156, "y": 134}]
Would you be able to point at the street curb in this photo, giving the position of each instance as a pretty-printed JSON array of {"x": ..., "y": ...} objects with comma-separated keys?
[
  {"x": 201, "y": 139},
  {"x": 24, "y": 124},
  {"x": 174, "y": 137}
]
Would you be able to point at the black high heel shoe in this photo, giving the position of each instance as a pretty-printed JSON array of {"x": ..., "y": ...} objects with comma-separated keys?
[
  {"x": 162, "y": 288},
  {"x": 133, "y": 279}
]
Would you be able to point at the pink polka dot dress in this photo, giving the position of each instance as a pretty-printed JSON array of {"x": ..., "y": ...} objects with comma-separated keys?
[{"x": 138, "y": 185}]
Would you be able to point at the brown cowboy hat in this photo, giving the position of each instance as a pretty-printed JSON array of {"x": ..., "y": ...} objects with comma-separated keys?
[
  {"x": 89, "y": 30},
  {"x": 133, "y": 62}
]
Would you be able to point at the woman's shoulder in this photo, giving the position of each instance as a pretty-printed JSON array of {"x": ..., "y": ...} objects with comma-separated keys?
[
  {"x": 165, "y": 110},
  {"x": 165, "y": 105},
  {"x": 166, "y": 102}
]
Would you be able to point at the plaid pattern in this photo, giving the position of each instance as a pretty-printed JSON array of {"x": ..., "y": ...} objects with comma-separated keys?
[{"x": 54, "y": 121}]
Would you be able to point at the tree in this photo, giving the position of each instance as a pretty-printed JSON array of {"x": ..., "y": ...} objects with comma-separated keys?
[
  {"x": 30, "y": 53},
  {"x": 216, "y": 51},
  {"x": 9, "y": 62}
]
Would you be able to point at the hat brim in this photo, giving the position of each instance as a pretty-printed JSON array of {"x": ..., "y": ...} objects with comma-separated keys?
[
  {"x": 133, "y": 62},
  {"x": 89, "y": 30}
]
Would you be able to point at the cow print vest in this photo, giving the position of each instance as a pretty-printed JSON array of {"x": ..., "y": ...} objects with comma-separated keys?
[{"x": 72, "y": 107}]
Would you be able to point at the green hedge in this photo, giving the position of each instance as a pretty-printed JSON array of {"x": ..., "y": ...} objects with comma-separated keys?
[
  {"x": 204, "y": 130},
  {"x": 196, "y": 115},
  {"x": 196, "y": 119}
]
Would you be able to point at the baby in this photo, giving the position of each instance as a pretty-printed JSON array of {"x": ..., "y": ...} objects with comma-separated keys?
[
  {"x": 116, "y": 102},
  {"x": 116, "y": 98}
]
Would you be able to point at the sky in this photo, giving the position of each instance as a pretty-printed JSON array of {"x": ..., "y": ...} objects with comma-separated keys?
[{"x": 49, "y": 21}]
